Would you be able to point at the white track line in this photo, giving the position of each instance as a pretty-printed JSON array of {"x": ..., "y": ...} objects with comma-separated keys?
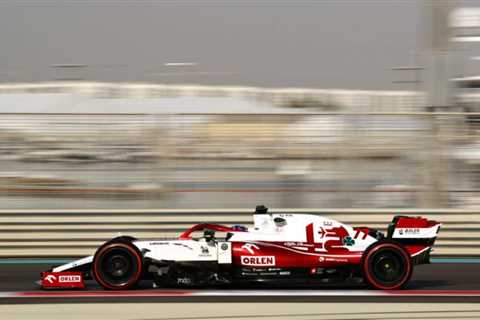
[{"x": 240, "y": 293}]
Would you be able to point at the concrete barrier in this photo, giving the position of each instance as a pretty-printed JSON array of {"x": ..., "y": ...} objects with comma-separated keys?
[{"x": 69, "y": 233}]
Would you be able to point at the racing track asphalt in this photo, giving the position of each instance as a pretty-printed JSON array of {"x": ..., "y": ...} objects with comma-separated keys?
[{"x": 436, "y": 277}]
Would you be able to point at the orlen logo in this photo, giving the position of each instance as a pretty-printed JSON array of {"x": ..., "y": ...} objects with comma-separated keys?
[
  {"x": 408, "y": 231},
  {"x": 69, "y": 279},
  {"x": 258, "y": 260}
]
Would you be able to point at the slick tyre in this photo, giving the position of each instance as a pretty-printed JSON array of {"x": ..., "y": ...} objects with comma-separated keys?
[
  {"x": 387, "y": 266},
  {"x": 117, "y": 265}
]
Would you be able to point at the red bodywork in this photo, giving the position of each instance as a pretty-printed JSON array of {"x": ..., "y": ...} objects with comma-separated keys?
[
  {"x": 415, "y": 222},
  {"x": 306, "y": 254},
  {"x": 287, "y": 255}
]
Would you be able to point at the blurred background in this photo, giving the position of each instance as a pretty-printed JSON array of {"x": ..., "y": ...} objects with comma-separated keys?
[{"x": 229, "y": 104}]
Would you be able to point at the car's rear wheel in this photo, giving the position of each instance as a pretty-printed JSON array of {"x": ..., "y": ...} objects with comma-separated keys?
[
  {"x": 117, "y": 265},
  {"x": 387, "y": 266}
]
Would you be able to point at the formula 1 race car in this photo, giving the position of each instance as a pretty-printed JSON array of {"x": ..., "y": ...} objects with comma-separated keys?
[{"x": 283, "y": 246}]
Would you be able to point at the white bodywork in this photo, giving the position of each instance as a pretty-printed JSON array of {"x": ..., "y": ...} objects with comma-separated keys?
[
  {"x": 186, "y": 250},
  {"x": 172, "y": 250},
  {"x": 294, "y": 230}
]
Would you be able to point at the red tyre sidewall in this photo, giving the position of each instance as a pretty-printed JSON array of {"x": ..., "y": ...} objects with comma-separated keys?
[
  {"x": 366, "y": 267},
  {"x": 107, "y": 247}
]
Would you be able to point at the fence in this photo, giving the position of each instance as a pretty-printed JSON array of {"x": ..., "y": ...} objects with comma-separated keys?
[{"x": 62, "y": 233}]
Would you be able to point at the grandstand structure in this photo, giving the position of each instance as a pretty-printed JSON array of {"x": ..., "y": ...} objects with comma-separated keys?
[{"x": 143, "y": 145}]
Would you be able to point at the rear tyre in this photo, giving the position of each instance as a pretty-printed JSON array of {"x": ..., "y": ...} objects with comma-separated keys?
[
  {"x": 117, "y": 265},
  {"x": 387, "y": 266}
]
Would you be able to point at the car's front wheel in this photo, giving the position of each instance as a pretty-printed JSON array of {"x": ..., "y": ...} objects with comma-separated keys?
[
  {"x": 387, "y": 266},
  {"x": 117, "y": 265}
]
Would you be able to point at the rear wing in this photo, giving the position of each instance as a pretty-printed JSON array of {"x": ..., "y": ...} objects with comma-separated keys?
[
  {"x": 417, "y": 234},
  {"x": 421, "y": 229}
]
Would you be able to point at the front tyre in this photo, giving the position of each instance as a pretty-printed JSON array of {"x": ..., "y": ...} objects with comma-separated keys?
[
  {"x": 387, "y": 266},
  {"x": 117, "y": 265}
]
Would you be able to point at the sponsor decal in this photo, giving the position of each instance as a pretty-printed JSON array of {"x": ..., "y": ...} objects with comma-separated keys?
[
  {"x": 321, "y": 232},
  {"x": 50, "y": 278},
  {"x": 409, "y": 231},
  {"x": 205, "y": 252},
  {"x": 64, "y": 279},
  {"x": 258, "y": 260},
  {"x": 299, "y": 244},
  {"x": 336, "y": 260},
  {"x": 224, "y": 246},
  {"x": 249, "y": 247},
  {"x": 285, "y": 215},
  {"x": 184, "y": 281},
  {"x": 323, "y": 259},
  {"x": 69, "y": 278},
  {"x": 348, "y": 241}
]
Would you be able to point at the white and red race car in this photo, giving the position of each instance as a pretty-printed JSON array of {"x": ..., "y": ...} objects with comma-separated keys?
[{"x": 290, "y": 247}]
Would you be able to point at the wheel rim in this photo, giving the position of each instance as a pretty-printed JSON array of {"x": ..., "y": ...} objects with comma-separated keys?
[
  {"x": 388, "y": 267},
  {"x": 117, "y": 266}
]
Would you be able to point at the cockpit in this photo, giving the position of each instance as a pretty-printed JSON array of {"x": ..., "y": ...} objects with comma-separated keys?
[
  {"x": 285, "y": 227},
  {"x": 210, "y": 230}
]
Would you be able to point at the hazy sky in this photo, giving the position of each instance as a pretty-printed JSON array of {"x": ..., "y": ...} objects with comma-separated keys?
[{"x": 343, "y": 44}]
